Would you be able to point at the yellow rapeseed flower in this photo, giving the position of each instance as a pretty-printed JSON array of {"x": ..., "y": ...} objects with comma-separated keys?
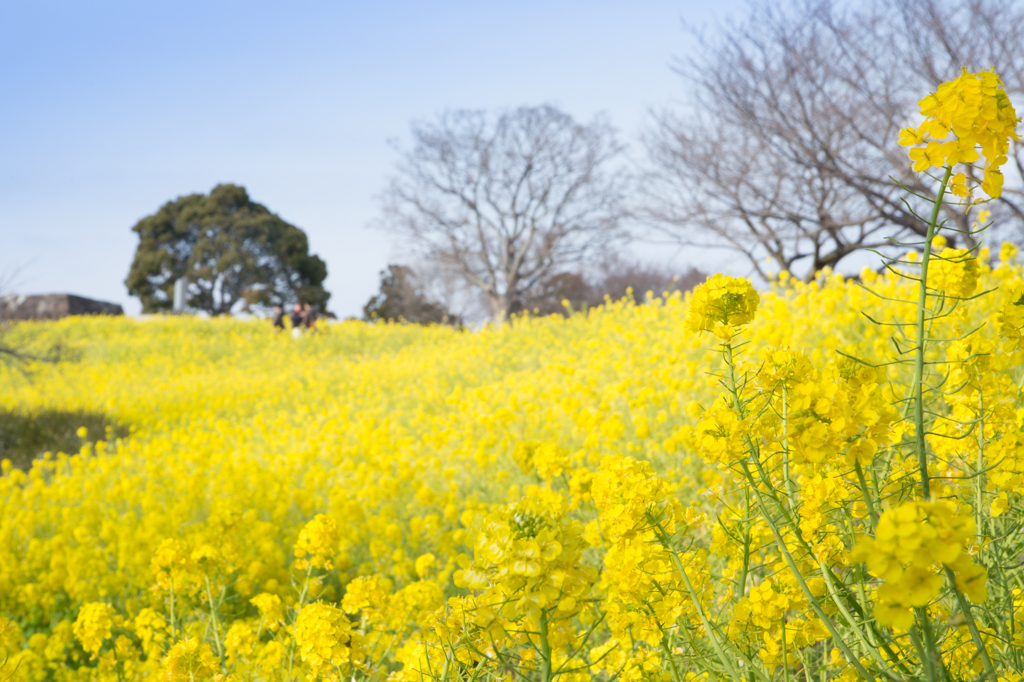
[
  {"x": 271, "y": 609},
  {"x": 955, "y": 272},
  {"x": 325, "y": 640},
  {"x": 976, "y": 110},
  {"x": 189, "y": 661},
  {"x": 720, "y": 303},
  {"x": 93, "y": 626},
  {"x": 317, "y": 544},
  {"x": 911, "y": 542}
]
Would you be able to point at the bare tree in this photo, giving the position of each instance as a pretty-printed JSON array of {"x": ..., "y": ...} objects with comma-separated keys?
[
  {"x": 504, "y": 201},
  {"x": 790, "y": 148},
  {"x": 942, "y": 37}
]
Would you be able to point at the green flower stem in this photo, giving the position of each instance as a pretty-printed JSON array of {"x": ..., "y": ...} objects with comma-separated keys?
[
  {"x": 850, "y": 598},
  {"x": 790, "y": 486},
  {"x": 871, "y": 649},
  {"x": 746, "y": 548},
  {"x": 807, "y": 668},
  {"x": 730, "y": 359},
  {"x": 545, "y": 648},
  {"x": 670, "y": 658},
  {"x": 298, "y": 607},
  {"x": 922, "y": 305},
  {"x": 716, "y": 644},
  {"x": 918, "y": 388},
  {"x": 259, "y": 630},
  {"x": 979, "y": 476},
  {"x": 785, "y": 652},
  {"x": 929, "y": 667},
  {"x": 965, "y": 608},
  {"x": 173, "y": 633},
  {"x": 931, "y": 656},
  {"x": 213, "y": 619},
  {"x": 795, "y": 570},
  {"x": 868, "y": 501}
]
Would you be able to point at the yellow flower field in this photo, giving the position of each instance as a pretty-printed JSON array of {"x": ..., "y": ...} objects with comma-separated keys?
[
  {"x": 365, "y": 470},
  {"x": 829, "y": 489}
]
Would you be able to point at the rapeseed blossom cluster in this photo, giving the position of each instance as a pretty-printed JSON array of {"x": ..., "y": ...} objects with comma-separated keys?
[
  {"x": 722, "y": 303},
  {"x": 317, "y": 543},
  {"x": 955, "y": 273},
  {"x": 911, "y": 544},
  {"x": 832, "y": 491},
  {"x": 93, "y": 626},
  {"x": 1010, "y": 317},
  {"x": 978, "y": 113},
  {"x": 189, "y": 661},
  {"x": 326, "y": 641}
]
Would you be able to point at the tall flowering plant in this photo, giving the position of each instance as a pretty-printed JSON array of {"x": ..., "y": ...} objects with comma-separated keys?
[
  {"x": 864, "y": 512},
  {"x": 870, "y": 523}
]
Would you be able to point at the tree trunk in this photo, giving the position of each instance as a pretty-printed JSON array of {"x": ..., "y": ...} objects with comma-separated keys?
[{"x": 500, "y": 304}]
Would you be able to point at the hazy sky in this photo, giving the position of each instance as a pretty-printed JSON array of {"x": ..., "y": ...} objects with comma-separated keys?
[{"x": 111, "y": 109}]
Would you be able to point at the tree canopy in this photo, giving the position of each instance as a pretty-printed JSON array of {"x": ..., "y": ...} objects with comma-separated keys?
[
  {"x": 232, "y": 250},
  {"x": 401, "y": 298}
]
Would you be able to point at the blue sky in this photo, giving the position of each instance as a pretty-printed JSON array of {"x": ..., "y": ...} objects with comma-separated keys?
[{"x": 110, "y": 109}]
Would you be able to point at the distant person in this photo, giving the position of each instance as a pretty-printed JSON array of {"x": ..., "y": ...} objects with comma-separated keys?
[
  {"x": 297, "y": 320},
  {"x": 278, "y": 316},
  {"x": 309, "y": 316}
]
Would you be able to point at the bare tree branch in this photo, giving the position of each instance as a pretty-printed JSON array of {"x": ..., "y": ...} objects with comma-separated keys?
[
  {"x": 17, "y": 353},
  {"x": 504, "y": 201},
  {"x": 790, "y": 147}
]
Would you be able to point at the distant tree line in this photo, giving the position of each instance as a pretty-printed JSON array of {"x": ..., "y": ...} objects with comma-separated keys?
[
  {"x": 404, "y": 294},
  {"x": 786, "y": 152}
]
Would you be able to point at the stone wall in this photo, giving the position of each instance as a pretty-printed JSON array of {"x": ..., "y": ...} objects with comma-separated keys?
[{"x": 53, "y": 307}]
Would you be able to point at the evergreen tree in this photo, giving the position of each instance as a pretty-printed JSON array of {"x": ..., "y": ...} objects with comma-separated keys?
[{"x": 232, "y": 250}]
